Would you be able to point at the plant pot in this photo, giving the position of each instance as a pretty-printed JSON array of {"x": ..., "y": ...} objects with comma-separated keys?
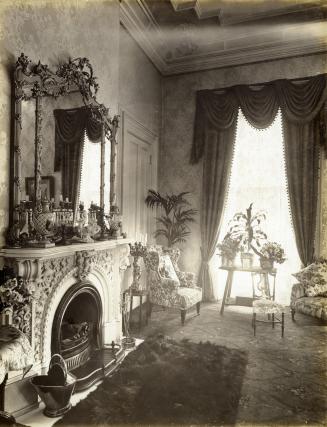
[
  {"x": 266, "y": 264},
  {"x": 227, "y": 262},
  {"x": 247, "y": 259}
]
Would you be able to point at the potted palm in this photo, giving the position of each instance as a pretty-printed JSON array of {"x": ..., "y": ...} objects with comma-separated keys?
[
  {"x": 174, "y": 222},
  {"x": 246, "y": 228},
  {"x": 228, "y": 249}
]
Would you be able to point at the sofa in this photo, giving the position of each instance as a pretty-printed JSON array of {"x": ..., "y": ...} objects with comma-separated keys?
[{"x": 309, "y": 295}]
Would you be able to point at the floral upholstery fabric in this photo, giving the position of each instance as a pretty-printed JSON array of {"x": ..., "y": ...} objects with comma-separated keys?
[
  {"x": 15, "y": 351},
  {"x": 187, "y": 297},
  {"x": 297, "y": 292},
  {"x": 312, "y": 306},
  {"x": 166, "y": 268},
  {"x": 186, "y": 278},
  {"x": 314, "y": 279},
  {"x": 266, "y": 306},
  {"x": 170, "y": 291}
]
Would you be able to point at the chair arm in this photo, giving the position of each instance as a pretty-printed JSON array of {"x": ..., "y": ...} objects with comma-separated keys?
[
  {"x": 157, "y": 281},
  {"x": 169, "y": 284},
  {"x": 297, "y": 292},
  {"x": 187, "y": 279}
]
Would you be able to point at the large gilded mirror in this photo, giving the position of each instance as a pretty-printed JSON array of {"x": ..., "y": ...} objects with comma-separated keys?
[{"x": 63, "y": 164}]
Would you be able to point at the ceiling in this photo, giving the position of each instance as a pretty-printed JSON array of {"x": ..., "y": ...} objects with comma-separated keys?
[{"x": 182, "y": 36}]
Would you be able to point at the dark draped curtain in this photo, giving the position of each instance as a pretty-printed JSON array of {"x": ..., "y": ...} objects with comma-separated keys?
[
  {"x": 301, "y": 103},
  {"x": 70, "y": 129}
]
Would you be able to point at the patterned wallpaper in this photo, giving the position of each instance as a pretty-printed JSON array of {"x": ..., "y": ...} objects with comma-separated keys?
[
  {"x": 53, "y": 31},
  {"x": 175, "y": 172}
]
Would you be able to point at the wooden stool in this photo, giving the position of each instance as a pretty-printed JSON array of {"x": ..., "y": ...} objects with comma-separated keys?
[{"x": 269, "y": 308}]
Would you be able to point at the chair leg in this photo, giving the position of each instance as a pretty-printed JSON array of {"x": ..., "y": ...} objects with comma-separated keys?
[
  {"x": 254, "y": 323},
  {"x": 283, "y": 325},
  {"x": 293, "y": 314},
  {"x": 198, "y": 305},
  {"x": 183, "y": 315}
]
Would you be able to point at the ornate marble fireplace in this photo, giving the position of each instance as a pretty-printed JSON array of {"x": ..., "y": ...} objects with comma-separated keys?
[{"x": 66, "y": 281}]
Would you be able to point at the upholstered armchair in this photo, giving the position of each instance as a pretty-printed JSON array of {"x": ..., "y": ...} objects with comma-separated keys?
[{"x": 168, "y": 286}]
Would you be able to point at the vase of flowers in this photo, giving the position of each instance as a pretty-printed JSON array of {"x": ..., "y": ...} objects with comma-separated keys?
[
  {"x": 13, "y": 296},
  {"x": 228, "y": 249},
  {"x": 269, "y": 253}
]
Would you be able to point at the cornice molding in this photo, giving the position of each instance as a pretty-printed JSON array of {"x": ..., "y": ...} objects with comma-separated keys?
[
  {"x": 141, "y": 25},
  {"x": 132, "y": 16},
  {"x": 137, "y": 128},
  {"x": 239, "y": 57}
]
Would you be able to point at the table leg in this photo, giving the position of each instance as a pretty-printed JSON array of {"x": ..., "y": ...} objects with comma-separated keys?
[
  {"x": 283, "y": 324},
  {"x": 227, "y": 290},
  {"x": 266, "y": 285},
  {"x": 140, "y": 315},
  {"x": 147, "y": 309},
  {"x": 254, "y": 323},
  {"x": 273, "y": 320},
  {"x": 130, "y": 308}
]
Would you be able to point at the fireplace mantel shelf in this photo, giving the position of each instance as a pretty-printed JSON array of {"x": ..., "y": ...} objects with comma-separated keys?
[{"x": 60, "y": 251}]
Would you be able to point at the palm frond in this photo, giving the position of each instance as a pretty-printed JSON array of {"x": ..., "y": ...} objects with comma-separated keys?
[
  {"x": 155, "y": 199},
  {"x": 174, "y": 223},
  {"x": 179, "y": 199},
  {"x": 185, "y": 215},
  {"x": 164, "y": 220}
]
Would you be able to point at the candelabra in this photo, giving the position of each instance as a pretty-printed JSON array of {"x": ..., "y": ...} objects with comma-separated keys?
[{"x": 137, "y": 251}]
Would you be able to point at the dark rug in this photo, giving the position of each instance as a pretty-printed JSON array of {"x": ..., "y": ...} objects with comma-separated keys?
[{"x": 167, "y": 382}]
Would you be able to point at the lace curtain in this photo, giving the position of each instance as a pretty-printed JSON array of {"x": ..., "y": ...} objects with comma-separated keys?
[{"x": 304, "y": 125}]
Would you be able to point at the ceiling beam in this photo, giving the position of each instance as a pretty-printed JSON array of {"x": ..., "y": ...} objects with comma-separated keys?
[{"x": 183, "y": 4}]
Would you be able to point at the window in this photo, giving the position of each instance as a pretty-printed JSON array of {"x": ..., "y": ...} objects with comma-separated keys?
[
  {"x": 91, "y": 174},
  {"x": 258, "y": 176}
]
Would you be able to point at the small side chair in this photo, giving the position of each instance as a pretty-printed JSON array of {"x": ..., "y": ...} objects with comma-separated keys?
[{"x": 168, "y": 286}]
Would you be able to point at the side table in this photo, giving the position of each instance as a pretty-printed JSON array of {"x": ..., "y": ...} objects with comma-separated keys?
[
  {"x": 268, "y": 293},
  {"x": 140, "y": 293}
]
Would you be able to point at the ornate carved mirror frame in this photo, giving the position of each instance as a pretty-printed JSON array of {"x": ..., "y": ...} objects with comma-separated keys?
[{"x": 35, "y": 82}]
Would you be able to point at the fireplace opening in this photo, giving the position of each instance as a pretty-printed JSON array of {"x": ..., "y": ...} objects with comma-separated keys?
[
  {"x": 77, "y": 336},
  {"x": 76, "y": 326}
]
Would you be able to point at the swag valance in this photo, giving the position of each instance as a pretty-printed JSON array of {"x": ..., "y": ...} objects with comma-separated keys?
[
  {"x": 300, "y": 101},
  {"x": 304, "y": 127},
  {"x": 70, "y": 128}
]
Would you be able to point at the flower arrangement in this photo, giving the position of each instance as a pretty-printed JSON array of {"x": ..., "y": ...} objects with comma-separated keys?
[
  {"x": 229, "y": 247},
  {"x": 246, "y": 228},
  {"x": 13, "y": 292},
  {"x": 273, "y": 251}
]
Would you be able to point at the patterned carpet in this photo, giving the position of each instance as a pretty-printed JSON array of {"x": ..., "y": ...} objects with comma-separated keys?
[
  {"x": 285, "y": 380},
  {"x": 158, "y": 384}
]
